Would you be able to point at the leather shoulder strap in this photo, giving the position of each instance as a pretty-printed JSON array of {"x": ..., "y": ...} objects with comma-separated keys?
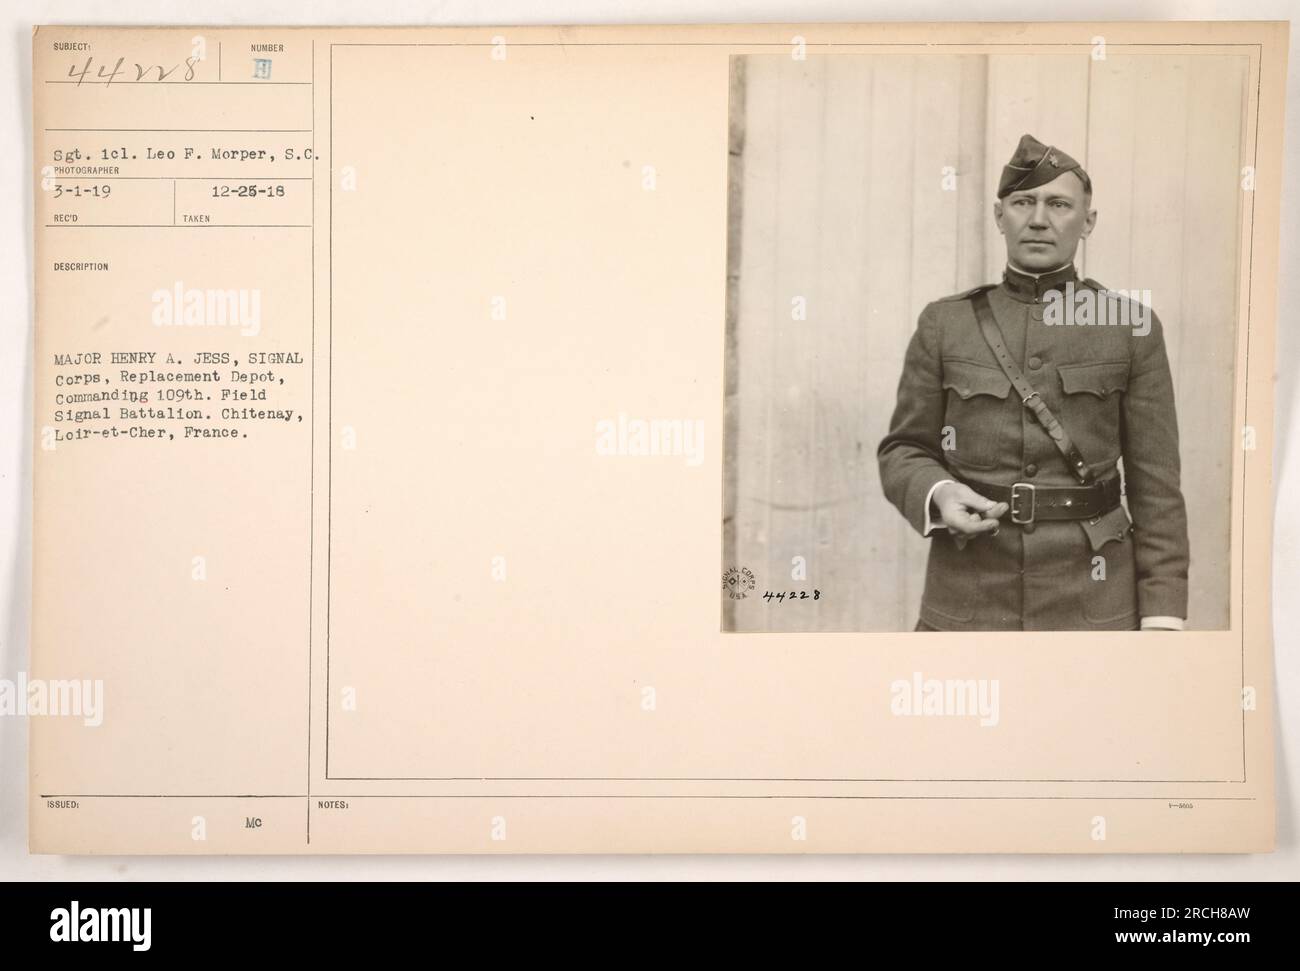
[{"x": 1028, "y": 396}]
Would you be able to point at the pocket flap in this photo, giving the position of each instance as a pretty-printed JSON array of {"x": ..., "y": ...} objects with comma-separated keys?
[
  {"x": 969, "y": 379},
  {"x": 1111, "y": 526},
  {"x": 1098, "y": 379}
]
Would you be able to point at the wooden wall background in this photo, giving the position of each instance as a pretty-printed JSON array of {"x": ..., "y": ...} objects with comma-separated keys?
[{"x": 837, "y": 197}]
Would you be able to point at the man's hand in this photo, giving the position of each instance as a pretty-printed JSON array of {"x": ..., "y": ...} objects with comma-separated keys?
[{"x": 966, "y": 513}]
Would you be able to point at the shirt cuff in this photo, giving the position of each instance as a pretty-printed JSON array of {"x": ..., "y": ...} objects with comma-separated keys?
[
  {"x": 1162, "y": 623},
  {"x": 929, "y": 498}
]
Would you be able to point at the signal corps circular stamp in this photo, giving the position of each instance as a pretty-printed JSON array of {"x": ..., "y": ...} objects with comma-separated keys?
[{"x": 738, "y": 582}]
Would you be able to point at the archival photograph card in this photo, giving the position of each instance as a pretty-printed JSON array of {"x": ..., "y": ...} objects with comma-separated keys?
[{"x": 829, "y": 438}]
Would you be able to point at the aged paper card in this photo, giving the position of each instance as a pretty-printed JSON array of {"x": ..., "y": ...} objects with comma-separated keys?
[{"x": 544, "y": 440}]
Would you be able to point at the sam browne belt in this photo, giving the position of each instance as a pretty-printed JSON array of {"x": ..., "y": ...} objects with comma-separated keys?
[
  {"x": 1030, "y": 502},
  {"x": 1030, "y": 398},
  {"x": 1091, "y": 499}
]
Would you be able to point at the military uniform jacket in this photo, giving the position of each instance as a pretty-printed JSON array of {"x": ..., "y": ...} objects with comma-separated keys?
[{"x": 958, "y": 417}]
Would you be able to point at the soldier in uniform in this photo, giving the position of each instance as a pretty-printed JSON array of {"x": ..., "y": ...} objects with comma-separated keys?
[{"x": 1013, "y": 428}]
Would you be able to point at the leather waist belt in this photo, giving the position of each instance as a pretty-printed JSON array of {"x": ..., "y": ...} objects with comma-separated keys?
[{"x": 1030, "y": 502}]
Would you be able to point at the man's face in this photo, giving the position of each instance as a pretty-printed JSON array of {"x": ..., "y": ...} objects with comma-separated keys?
[{"x": 1043, "y": 226}]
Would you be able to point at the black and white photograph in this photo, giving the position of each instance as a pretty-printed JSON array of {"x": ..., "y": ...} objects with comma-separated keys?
[{"x": 982, "y": 331}]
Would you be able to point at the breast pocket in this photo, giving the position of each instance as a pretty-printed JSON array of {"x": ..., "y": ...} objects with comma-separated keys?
[
  {"x": 977, "y": 413},
  {"x": 1090, "y": 408}
]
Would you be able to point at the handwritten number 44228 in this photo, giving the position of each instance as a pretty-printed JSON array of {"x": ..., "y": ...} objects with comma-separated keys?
[{"x": 780, "y": 595}]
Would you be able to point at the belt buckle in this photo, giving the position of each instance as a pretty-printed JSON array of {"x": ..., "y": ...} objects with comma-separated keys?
[{"x": 1017, "y": 503}]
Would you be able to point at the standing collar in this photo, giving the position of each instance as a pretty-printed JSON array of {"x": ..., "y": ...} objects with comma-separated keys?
[{"x": 1030, "y": 287}]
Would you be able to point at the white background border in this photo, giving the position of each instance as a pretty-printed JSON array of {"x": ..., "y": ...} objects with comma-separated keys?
[{"x": 16, "y": 343}]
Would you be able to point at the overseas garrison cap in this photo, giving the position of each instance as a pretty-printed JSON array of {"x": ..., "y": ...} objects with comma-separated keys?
[{"x": 1035, "y": 164}]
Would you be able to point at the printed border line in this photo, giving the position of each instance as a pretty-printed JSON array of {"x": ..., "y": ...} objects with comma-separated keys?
[
  {"x": 311, "y": 469},
  {"x": 778, "y": 779},
  {"x": 1245, "y": 407},
  {"x": 1259, "y": 68},
  {"x": 784, "y": 45},
  {"x": 800, "y": 796}
]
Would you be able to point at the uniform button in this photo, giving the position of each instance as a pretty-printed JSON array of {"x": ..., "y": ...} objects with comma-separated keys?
[
  {"x": 1035, "y": 363},
  {"x": 1031, "y": 470},
  {"x": 1028, "y": 527},
  {"x": 1036, "y": 313}
]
